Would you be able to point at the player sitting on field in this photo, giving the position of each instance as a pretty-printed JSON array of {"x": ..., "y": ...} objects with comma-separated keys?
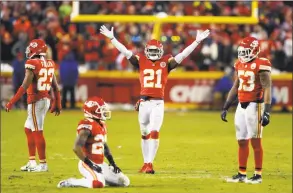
[{"x": 91, "y": 147}]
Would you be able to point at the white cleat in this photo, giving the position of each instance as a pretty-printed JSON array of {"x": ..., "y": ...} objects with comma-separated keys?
[
  {"x": 238, "y": 178},
  {"x": 40, "y": 168},
  {"x": 255, "y": 179},
  {"x": 65, "y": 183},
  {"x": 29, "y": 166}
]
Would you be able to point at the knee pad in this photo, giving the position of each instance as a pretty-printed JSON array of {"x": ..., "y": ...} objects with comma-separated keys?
[
  {"x": 97, "y": 184},
  {"x": 154, "y": 134},
  {"x": 145, "y": 137}
]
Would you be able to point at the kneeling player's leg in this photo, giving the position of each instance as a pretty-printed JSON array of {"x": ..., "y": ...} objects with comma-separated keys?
[
  {"x": 253, "y": 121},
  {"x": 156, "y": 121},
  {"x": 143, "y": 118},
  {"x": 112, "y": 178},
  {"x": 242, "y": 137}
]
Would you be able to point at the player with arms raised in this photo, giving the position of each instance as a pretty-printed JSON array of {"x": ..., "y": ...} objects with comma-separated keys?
[
  {"x": 39, "y": 77},
  {"x": 154, "y": 68},
  {"x": 253, "y": 86},
  {"x": 91, "y": 148}
]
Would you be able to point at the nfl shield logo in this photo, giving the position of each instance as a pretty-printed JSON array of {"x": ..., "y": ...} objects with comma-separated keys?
[
  {"x": 253, "y": 65},
  {"x": 163, "y": 64}
]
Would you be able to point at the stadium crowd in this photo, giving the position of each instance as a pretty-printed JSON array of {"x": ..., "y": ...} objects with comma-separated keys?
[{"x": 24, "y": 21}]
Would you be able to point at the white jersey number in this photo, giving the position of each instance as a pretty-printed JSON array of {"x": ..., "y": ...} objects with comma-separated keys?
[
  {"x": 98, "y": 146},
  {"x": 149, "y": 76},
  {"x": 44, "y": 74},
  {"x": 246, "y": 84}
]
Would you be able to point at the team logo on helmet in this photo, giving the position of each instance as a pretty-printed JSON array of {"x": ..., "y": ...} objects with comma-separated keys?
[
  {"x": 163, "y": 64},
  {"x": 34, "y": 44},
  {"x": 254, "y": 44}
]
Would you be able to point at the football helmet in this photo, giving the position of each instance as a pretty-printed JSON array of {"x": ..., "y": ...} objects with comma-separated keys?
[
  {"x": 36, "y": 47},
  {"x": 248, "y": 49},
  {"x": 154, "y": 50},
  {"x": 96, "y": 108}
]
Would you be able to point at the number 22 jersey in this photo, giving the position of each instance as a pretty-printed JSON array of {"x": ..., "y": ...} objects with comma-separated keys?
[
  {"x": 250, "y": 89},
  {"x": 43, "y": 75}
]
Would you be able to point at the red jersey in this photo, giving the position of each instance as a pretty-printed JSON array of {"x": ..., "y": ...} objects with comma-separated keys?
[
  {"x": 250, "y": 88},
  {"x": 43, "y": 75},
  {"x": 94, "y": 146},
  {"x": 153, "y": 75}
]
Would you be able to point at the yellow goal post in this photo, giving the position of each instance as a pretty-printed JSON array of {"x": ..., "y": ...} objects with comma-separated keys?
[{"x": 158, "y": 20}]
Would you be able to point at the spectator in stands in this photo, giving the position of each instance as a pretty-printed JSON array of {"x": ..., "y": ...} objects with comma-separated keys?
[
  {"x": 20, "y": 45},
  {"x": 6, "y": 47},
  {"x": 68, "y": 75}
]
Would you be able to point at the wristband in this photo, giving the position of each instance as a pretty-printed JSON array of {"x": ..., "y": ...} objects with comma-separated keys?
[{"x": 88, "y": 162}]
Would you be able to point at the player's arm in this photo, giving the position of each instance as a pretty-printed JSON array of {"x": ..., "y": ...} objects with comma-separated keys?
[
  {"x": 110, "y": 158},
  {"x": 231, "y": 97},
  {"x": 79, "y": 143},
  {"x": 29, "y": 75},
  {"x": 56, "y": 106},
  {"x": 127, "y": 53},
  {"x": 173, "y": 63},
  {"x": 266, "y": 83}
]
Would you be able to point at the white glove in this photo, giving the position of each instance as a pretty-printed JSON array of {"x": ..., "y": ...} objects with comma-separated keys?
[
  {"x": 106, "y": 32},
  {"x": 202, "y": 35}
]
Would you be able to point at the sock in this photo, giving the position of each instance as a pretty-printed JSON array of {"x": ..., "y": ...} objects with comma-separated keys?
[
  {"x": 145, "y": 144},
  {"x": 31, "y": 145},
  {"x": 258, "y": 154},
  {"x": 154, "y": 145},
  {"x": 41, "y": 145},
  {"x": 243, "y": 153}
]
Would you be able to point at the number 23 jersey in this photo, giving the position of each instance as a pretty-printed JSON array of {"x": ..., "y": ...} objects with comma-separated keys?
[
  {"x": 250, "y": 88},
  {"x": 153, "y": 75},
  {"x": 43, "y": 75}
]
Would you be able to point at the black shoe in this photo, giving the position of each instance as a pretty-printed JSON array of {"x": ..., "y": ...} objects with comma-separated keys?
[
  {"x": 237, "y": 178},
  {"x": 255, "y": 179}
]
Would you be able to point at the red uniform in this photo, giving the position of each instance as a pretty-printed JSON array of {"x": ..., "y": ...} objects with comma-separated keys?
[
  {"x": 250, "y": 88},
  {"x": 94, "y": 147},
  {"x": 153, "y": 75},
  {"x": 43, "y": 74}
]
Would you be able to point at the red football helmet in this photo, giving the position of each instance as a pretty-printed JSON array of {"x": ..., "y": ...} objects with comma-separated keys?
[
  {"x": 96, "y": 108},
  {"x": 248, "y": 49},
  {"x": 154, "y": 50},
  {"x": 36, "y": 47}
]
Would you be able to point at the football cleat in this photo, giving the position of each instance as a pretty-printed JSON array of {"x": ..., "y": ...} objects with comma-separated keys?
[
  {"x": 255, "y": 179},
  {"x": 237, "y": 178},
  {"x": 144, "y": 168},
  {"x": 150, "y": 169},
  {"x": 40, "y": 168},
  {"x": 65, "y": 183},
  {"x": 29, "y": 166}
]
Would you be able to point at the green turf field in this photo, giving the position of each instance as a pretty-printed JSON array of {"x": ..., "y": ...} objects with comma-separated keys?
[{"x": 197, "y": 151}]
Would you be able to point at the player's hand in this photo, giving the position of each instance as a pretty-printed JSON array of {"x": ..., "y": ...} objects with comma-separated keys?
[
  {"x": 136, "y": 107},
  {"x": 202, "y": 35},
  {"x": 55, "y": 108},
  {"x": 8, "y": 106},
  {"x": 265, "y": 119},
  {"x": 223, "y": 115},
  {"x": 106, "y": 32},
  {"x": 116, "y": 169}
]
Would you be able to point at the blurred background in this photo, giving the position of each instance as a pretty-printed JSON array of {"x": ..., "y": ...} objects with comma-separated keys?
[{"x": 88, "y": 64}]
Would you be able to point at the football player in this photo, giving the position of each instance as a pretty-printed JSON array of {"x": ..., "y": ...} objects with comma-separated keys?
[
  {"x": 154, "y": 68},
  {"x": 91, "y": 148},
  {"x": 39, "y": 78},
  {"x": 253, "y": 86}
]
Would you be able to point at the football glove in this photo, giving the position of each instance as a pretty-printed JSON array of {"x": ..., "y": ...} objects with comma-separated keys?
[
  {"x": 265, "y": 119},
  {"x": 109, "y": 34},
  {"x": 137, "y": 104},
  {"x": 202, "y": 35},
  {"x": 223, "y": 115},
  {"x": 116, "y": 169},
  {"x": 56, "y": 104}
]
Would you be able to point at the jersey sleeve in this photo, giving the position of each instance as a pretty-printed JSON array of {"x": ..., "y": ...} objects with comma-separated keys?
[
  {"x": 30, "y": 65},
  {"x": 265, "y": 64},
  {"x": 84, "y": 125}
]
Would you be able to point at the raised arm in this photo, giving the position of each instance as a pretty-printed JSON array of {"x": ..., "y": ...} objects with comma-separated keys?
[
  {"x": 266, "y": 83},
  {"x": 231, "y": 97},
  {"x": 29, "y": 75},
  {"x": 110, "y": 158},
  {"x": 173, "y": 63},
  {"x": 127, "y": 53}
]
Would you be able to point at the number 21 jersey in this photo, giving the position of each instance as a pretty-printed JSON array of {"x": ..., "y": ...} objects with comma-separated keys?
[
  {"x": 250, "y": 88},
  {"x": 43, "y": 75},
  {"x": 153, "y": 75}
]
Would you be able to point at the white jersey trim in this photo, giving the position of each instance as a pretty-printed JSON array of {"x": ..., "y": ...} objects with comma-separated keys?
[
  {"x": 85, "y": 126},
  {"x": 30, "y": 66},
  {"x": 263, "y": 67}
]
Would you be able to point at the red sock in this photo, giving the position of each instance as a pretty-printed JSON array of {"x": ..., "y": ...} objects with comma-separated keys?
[
  {"x": 30, "y": 143},
  {"x": 41, "y": 145},
  {"x": 243, "y": 153},
  {"x": 258, "y": 154},
  {"x": 97, "y": 184}
]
